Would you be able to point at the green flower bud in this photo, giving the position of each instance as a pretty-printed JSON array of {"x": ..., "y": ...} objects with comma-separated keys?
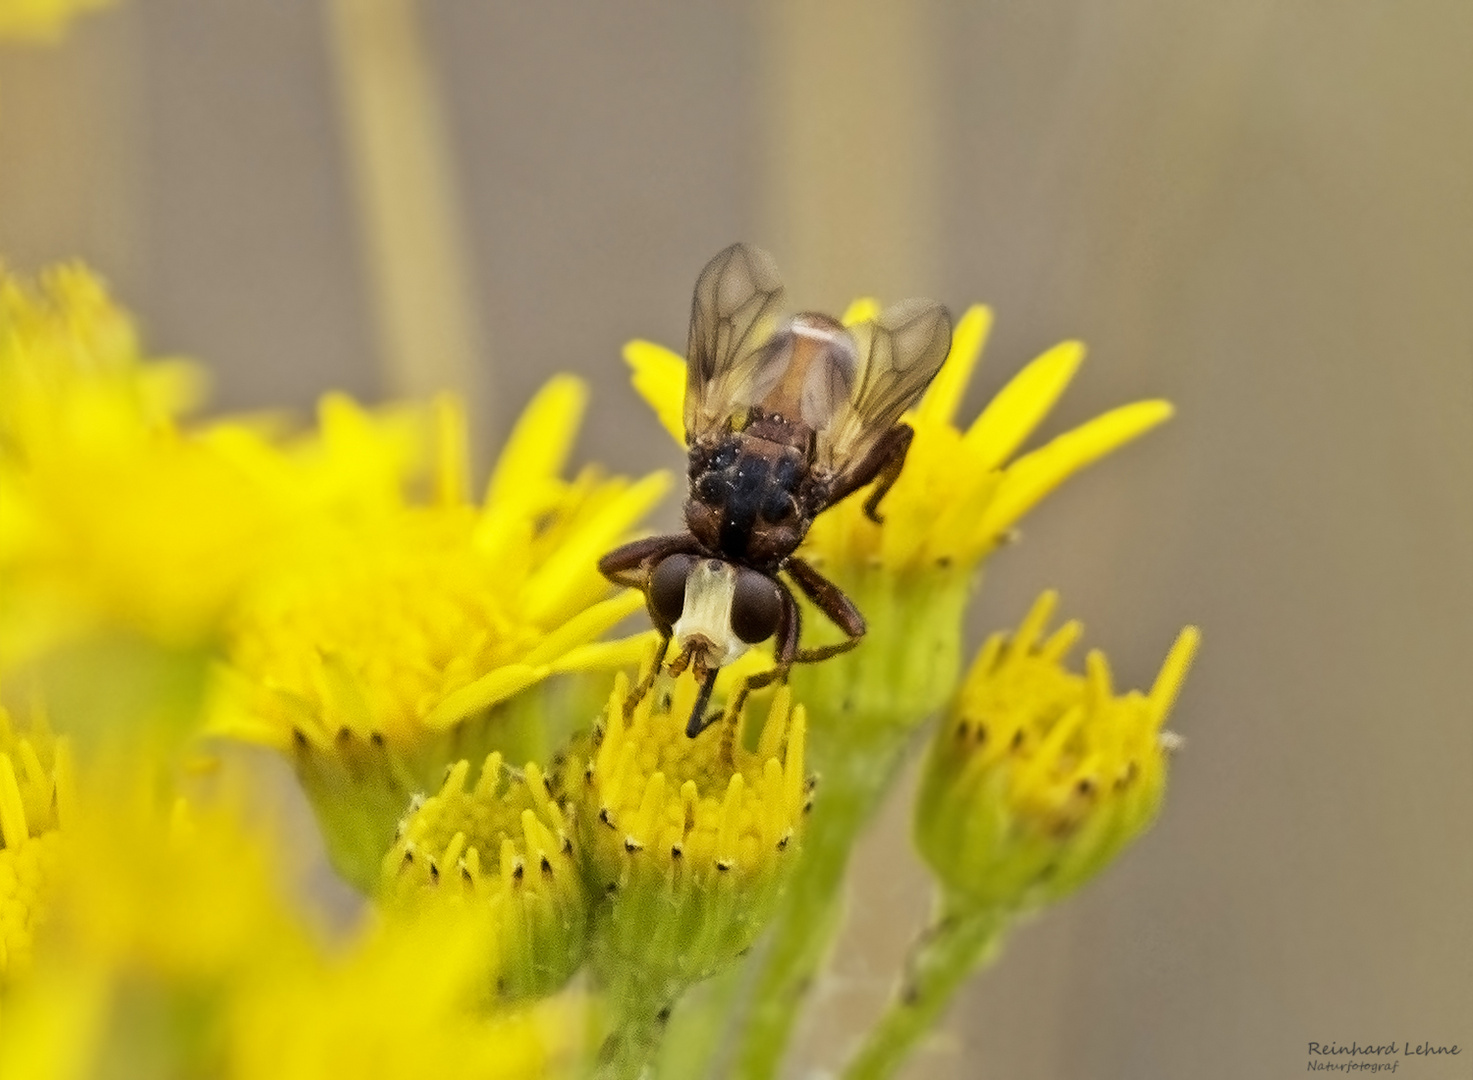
[
  {"x": 1039, "y": 777},
  {"x": 502, "y": 849}
]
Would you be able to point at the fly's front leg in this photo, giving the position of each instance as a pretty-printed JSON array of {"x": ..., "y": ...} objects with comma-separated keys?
[
  {"x": 829, "y": 599},
  {"x": 632, "y": 701},
  {"x": 631, "y": 564}
]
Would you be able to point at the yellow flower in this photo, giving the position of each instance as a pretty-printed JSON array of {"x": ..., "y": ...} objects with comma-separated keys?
[
  {"x": 41, "y": 20},
  {"x": 1036, "y": 780},
  {"x": 1039, "y": 777},
  {"x": 686, "y": 844},
  {"x": 115, "y": 516},
  {"x": 178, "y": 953},
  {"x": 36, "y": 794},
  {"x": 501, "y": 849},
  {"x": 389, "y": 645},
  {"x": 110, "y": 514}
]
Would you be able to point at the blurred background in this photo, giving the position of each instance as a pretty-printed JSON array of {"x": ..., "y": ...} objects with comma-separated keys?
[{"x": 1262, "y": 211}]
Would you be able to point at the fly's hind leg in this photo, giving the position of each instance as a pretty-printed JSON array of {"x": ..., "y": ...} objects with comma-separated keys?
[{"x": 896, "y": 444}]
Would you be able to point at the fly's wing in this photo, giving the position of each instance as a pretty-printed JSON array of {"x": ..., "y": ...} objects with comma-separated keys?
[
  {"x": 734, "y": 310},
  {"x": 900, "y": 353}
]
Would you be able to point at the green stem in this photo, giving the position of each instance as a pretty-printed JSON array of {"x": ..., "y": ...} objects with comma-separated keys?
[
  {"x": 940, "y": 962},
  {"x": 804, "y": 928},
  {"x": 693, "y": 1042},
  {"x": 641, "y": 1014},
  {"x": 864, "y": 707}
]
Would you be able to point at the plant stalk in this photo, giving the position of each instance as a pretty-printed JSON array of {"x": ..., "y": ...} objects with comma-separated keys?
[{"x": 940, "y": 962}]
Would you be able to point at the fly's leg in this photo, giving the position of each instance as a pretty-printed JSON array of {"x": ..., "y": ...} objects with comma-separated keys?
[
  {"x": 631, "y": 564},
  {"x": 881, "y": 465},
  {"x": 830, "y": 600},
  {"x": 787, "y": 655},
  {"x": 632, "y": 701},
  {"x": 897, "y": 443}
]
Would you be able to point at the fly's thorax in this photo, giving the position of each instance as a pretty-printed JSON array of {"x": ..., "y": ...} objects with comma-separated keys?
[
  {"x": 705, "y": 622},
  {"x": 748, "y": 493}
]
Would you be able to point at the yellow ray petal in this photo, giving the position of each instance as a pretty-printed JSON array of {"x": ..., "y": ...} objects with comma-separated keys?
[
  {"x": 483, "y": 693},
  {"x": 564, "y": 578},
  {"x": 585, "y": 626},
  {"x": 1036, "y": 474},
  {"x": 627, "y": 652},
  {"x": 659, "y": 376},
  {"x": 1019, "y": 407},
  {"x": 543, "y": 436},
  {"x": 967, "y": 341}
]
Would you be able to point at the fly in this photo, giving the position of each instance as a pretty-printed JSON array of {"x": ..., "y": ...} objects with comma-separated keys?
[{"x": 783, "y": 419}]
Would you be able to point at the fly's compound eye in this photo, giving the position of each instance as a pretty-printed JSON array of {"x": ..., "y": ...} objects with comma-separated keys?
[
  {"x": 667, "y": 588},
  {"x": 756, "y": 606}
]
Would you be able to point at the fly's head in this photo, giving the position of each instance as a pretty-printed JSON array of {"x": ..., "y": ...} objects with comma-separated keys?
[{"x": 713, "y": 609}]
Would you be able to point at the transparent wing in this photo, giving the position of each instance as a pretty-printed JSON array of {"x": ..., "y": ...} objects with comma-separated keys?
[
  {"x": 900, "y": 353},
  {"x": 734, "y": 311}
]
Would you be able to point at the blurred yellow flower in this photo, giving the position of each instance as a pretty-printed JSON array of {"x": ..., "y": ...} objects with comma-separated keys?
[
  {"x": 42, "y": 20},
  {"x": 1039, "y": 776},
  {"x": 116, "y": 516},
  {"x": 385, "y": 647},
  {"x": 404, "y": 1003},
  {"x": 177, "y": 952},
  {"x": 110, "y": 514},
  {"x": 36, "y": 795}
]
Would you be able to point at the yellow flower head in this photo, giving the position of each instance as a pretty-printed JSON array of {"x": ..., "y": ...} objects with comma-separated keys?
[
  {"x": 36, "y": 795},
  {"x": 175, "y": 951},
  {"x": 406, "y": 1002},
  {"x": 686, "y": 842},
  {"x": 389, "y": 645},
  {"x": 500, "y": 849},
  {"x": 1039, "y": 777},
  {"x": 41, "y": 20},
  {"x": 111, "y": 515}
]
